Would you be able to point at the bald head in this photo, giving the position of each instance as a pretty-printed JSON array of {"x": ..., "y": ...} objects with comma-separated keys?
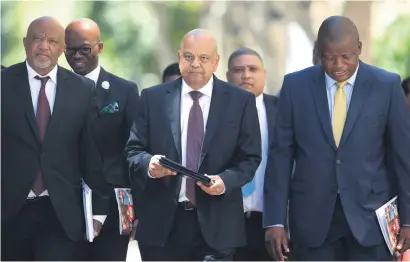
[
  {"x": 85, "y": 27},
  {"x": 83, "y": 39},
  {"x": 198, "y": 57},
  {"x": 339, "y": 47},
  {"x": 44, "y": 43},
  {"x": 336, "y": 29},
  {"x": 200, "y": 35}
]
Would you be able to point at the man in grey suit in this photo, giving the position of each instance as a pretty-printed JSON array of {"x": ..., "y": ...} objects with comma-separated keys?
[{"x": 336, "y": 121}]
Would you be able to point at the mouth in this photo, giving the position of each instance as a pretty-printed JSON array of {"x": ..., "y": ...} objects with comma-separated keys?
[
  {"x": 78, "y": 63},
  {"x": 246, "y": 85},
  {"x": 339, "y": 73},
  {"x": 42, "y": 56}
]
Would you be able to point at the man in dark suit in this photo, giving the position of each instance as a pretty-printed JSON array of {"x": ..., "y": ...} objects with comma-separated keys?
[
  {"x": 171, "y": 72},
  {"x": 336, "y": 121},
  {"x": 117, "y": 104},
  {"x": 246, "y": 70},
  {"x": 48, "y": 135},
  {"x": 208, "y": 126}
]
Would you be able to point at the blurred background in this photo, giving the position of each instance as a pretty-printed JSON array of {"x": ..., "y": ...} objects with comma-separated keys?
[{"x": 142, "y": 37}]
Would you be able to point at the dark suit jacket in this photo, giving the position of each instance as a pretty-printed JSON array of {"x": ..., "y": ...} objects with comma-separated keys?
[
  {"x": 378, "y": 118},
  {"x": 270, "y": 105},
  {"x": 115, "y": 127},
  {"x": 232, "y": 150},
  {"x": 69, "y": 150}
]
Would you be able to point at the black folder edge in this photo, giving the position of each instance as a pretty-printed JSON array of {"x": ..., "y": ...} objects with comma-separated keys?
[{"x": 184, "y": 171}]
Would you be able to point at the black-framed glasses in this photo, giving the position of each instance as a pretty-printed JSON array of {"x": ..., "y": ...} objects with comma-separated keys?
[{"x": 84, "y": 50}]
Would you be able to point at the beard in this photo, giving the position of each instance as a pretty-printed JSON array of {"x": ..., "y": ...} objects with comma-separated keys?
[{"x": 42, "y": 64}]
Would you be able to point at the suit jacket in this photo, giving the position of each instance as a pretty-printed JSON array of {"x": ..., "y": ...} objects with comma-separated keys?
[
  {"x": 115, "y": 127},
  {"x": 231, "y": 149},
  {"x": 69, "y": 150},
  {"x": 378, "y": 118},
  {"x": 270, "y": 102}
]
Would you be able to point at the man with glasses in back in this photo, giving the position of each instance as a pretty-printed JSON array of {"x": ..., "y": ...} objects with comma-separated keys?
[{"x": 117, "y": 102}]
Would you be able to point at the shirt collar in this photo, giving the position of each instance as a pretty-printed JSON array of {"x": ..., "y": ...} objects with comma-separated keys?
[
  {"x": 206, "y": 89},
  {"x": 330, "y": 81},
  {"x": 93, "y": 75},
  {"x": 259, "y": 101},
  {"x": 32, "y": 74}
]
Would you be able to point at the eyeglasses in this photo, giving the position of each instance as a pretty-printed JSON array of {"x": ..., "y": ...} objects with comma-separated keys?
[{"x": 84, "y": 50}]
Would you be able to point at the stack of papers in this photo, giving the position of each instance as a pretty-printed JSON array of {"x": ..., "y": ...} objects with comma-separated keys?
[
  {"x": 88, "y": 211},
  {"x": 389, "y": 221}
]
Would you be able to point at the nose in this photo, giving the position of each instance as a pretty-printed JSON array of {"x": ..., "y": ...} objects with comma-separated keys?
[
  {"x": 246, "y": 74},
  {"x": 77, "y": 54},
  {"x": 44, "y": 44},
  {"x": 195, "y": 63},
  {"x": 339, "y": 62}
]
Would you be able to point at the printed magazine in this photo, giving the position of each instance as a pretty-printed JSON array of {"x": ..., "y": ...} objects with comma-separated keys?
[
  {"x": 389, "y": 221},
  {"x": 125, "y": 209}
]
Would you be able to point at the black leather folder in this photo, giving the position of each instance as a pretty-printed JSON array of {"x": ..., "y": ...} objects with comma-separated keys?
[{"x": 165, "y": 162}]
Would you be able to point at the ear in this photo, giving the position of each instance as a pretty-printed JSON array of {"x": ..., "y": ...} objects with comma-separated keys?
[
  {"x": 359, "y": 46},
  {"x": 100, "y": 47},
  {"x": 25, "y": 42}
]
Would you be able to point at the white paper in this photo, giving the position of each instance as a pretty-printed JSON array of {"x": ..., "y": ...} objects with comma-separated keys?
[{"x": 88, "y": 211}]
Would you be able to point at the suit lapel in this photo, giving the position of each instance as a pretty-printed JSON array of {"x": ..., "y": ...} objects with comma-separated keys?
[
  {"x": 23, "y": 89},
  {"x": 61, "y": 102},
  {"x": 360, "y": 93},
  {"x": 270, "y": 115},
  {"x": 318, "y": 89},
  {"x": 102, "y": 94},
  {"x": 219, "y": 102},
  {"x": 174, "y": 112}
]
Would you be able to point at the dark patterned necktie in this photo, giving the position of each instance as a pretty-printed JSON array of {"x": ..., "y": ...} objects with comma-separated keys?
[
  {"x": 43, "y": 115},
  {"x": 195, "y": 137}
]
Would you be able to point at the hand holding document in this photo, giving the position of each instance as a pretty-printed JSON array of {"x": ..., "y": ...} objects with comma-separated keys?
[{"x": 88, "y": 211}]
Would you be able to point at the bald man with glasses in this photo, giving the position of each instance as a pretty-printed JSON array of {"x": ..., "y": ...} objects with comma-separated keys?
[{"x": 117, "y": 102}]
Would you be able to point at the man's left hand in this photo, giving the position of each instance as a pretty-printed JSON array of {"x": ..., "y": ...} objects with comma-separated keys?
[
  {"x": 97, "y": 227},
  {"x": 404, "y": 239},
  {"x": 216, "y": 188}
]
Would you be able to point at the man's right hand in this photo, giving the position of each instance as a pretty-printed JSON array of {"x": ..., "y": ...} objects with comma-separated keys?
[
  {"x": 276, "y": 240},
  {"x": 156, "y": 170}
]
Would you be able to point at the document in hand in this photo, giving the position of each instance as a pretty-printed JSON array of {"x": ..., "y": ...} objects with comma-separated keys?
[
  {"x": 125, "y": 209},
  {"x": 389, "y": 221},
  {"x": 88, "y": 211},
  {"x": 181, "y": 170}
]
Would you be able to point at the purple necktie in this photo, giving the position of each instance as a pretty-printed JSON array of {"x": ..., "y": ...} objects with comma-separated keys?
[
  {"x": 43, "y": 117},
  {"x": 195, "y": 138}
]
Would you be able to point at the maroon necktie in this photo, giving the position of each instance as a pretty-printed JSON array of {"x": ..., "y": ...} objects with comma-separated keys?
[
  {"x": 43, "y": 117},
  {"x": 195, "y": 138}
]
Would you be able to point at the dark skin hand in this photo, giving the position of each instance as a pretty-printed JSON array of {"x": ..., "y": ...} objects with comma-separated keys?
[
  {"x": 404, "y": 242},
  {"x": 276, "y": 242}
]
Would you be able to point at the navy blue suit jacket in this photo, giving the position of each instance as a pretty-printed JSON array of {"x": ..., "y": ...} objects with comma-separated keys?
[{"x": 378, "y": 119}]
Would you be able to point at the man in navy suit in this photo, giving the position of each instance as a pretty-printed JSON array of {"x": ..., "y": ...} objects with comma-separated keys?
[{"x": 336, "y": 121}]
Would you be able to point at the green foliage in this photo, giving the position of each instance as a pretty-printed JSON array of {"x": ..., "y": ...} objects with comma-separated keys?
[{"x": 392, "y": 50}]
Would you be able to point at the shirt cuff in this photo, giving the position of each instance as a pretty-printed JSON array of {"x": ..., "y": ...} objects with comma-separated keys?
[
  {"x": 149, "y": 175},
  {"x": 100, "y": 218},
  {"x": 277, "y": 225},
  {"x": 223, "y": 192}
]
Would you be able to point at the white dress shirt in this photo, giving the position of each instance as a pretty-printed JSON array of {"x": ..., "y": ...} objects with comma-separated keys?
[
  {"x": 254, "y": 202},
  {"x": 93, "y": 75},
  {"x": 35, "y": 86},
  {"x": 186, "y": 104}
]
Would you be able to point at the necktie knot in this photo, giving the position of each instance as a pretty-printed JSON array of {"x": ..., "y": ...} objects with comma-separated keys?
[
  {"x": 341, "y": 85},
  {"x": 195, "y": 95},
  {"x": 42, "y": 79}
]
